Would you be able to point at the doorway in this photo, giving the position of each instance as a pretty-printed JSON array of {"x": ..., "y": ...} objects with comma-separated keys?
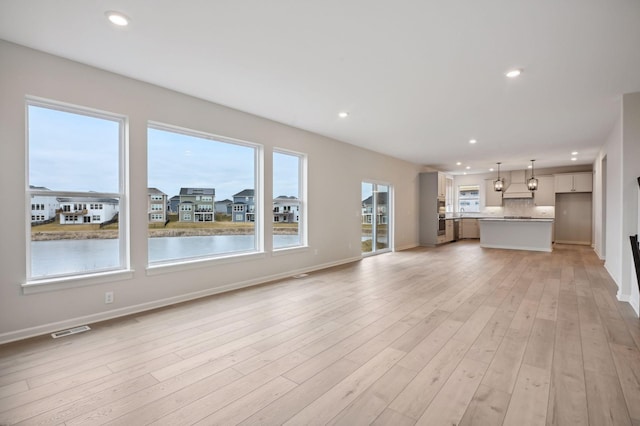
[
  {"x": 573, "y": 218},
  {"x": 376, "y": 218}
]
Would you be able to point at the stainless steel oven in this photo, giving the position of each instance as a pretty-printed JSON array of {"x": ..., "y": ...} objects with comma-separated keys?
[{"x": 442, "y": 225}]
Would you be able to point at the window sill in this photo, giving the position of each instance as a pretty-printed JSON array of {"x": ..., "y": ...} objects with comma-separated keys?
[
  {"x": 289, "y": 250},
  {"x": 185, "y": 265},
  {"x": 63, "y": 283}
]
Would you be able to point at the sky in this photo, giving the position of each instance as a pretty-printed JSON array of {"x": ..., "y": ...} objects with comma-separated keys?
[{"x": 74, "y": 152}]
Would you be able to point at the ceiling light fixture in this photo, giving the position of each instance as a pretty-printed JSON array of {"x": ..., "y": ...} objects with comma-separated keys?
[
  {"x": 472, "y": 141},
  {"x": 343, "y": 114},
  {"x": 574, "y": 153},
  {"x": 468, "y": 167},
  {"x": 574, "y": 159},
  {"x": 513, "y": 73},
  {"x": 117, "y": 18},
  {"x": 491, "y": 169},
  {"x": 458, "y": 163},
  {"x": 498, "y": 184},
  {"x": 532, "y": 183}
]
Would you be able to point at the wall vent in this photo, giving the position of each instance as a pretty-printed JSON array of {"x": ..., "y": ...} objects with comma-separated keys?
[{"x": 70, "y": 331}]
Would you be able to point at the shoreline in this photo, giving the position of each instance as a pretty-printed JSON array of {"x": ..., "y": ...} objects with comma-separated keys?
[{"x": 153, "y": 233}]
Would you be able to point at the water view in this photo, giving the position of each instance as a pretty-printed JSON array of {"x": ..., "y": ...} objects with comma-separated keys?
[{"x": 57, "y": 257}]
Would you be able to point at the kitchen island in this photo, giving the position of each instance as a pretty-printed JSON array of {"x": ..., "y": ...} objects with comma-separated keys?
[{"x": 516, "y": 233}]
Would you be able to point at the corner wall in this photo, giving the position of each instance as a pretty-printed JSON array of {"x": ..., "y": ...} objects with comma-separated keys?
[
  {"x": 335, "y": 172},
  {"x": 622, "y": 152}
]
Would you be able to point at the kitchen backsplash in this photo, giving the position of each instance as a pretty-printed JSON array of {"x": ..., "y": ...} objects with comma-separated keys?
[{"x": 520, "y": 207}]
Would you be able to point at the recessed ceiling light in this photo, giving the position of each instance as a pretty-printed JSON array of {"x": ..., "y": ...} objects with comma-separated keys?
[
  {"x": 458, "y": 163},
  {"x": 574, "y": 159},
  {"x": 491, "y": 169},
  {"x": 513, "y": 73},
  {"x": 343, "y": 114},
  {"x": 529, "y": 166},
  {"x": 468, "y": 167},
  {"x": 472, "y": 141},
  {"x": 574, "y": 153},
  {"x": 117, "y": 18},
  {"x": 464, "y": 173}
]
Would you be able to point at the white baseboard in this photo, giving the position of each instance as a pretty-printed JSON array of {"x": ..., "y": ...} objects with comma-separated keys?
[
  {"x": 39, "y": 330},
  {"x": 631, "y": 300},
  {"x": 406, "y": 247}
]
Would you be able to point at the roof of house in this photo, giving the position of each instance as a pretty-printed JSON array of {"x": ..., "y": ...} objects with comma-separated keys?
[
  {"x": 85, "y": 200},
  {"x": 155, "y": 191},
  {"x": 285, "y": 197},
  {"x": 245, "y": 193},
  {"x": 382, "y": 199},
  {"x": 226, "y": 201},
  {"x": 39, "y": 188},
  {"x": 197, "y": 191}
]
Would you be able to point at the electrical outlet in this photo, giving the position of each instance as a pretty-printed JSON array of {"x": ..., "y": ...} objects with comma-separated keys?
[{"x": 108, "y": 297}]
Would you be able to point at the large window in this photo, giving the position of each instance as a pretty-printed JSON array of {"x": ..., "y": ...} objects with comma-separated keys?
[
  {"x": 203, "y": 174},
  {"x": 76, "y": 178},
  {"x": 288, "y": 200},
  {"x": 468, "y": 198}
]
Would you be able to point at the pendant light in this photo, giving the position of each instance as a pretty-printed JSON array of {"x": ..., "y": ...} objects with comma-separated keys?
[
  {"x": 498, "y": 184},
  {"x": 532, "y": 183}
]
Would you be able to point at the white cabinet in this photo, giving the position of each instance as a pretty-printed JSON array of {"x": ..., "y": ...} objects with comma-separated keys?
[
  {"x": 583, "y": 182},
  {"x": 449, "y": 230},
  {"x": 546, "y": 194},
  {"x": 492, "y": 198},
  {"x": 574, "y": 182},
  {"x": 442, "y": 185},
  {"x": 469, "y": 228}
]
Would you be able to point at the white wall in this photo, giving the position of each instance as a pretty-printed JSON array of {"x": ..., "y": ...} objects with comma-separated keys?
[
  {"x": 335, "y": 172},
  {"x": 622, "y": 151},
  {"x": 630, "y": 174}
]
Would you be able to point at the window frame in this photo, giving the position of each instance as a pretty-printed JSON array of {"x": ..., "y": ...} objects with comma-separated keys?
[
  {"x": 123, "y": 270},
  {"x": 468, "y": 187},
  {"x": 258, "y": 158},
  {"x": 303, "y": 225}
]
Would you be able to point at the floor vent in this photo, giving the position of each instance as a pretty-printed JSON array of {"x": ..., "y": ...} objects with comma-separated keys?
[
  {"x": 301, "y": 276},
  {"x": 70, "y": 331}
]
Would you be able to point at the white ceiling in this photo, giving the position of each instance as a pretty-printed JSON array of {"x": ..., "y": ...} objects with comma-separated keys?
[{"x": 419, "y": 78}]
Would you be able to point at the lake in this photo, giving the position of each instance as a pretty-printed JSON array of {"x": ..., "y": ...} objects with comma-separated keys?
[{"x": 57, "y": 257}]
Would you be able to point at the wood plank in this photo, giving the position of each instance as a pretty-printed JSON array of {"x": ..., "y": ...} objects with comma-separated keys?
[
  {"x": 294, "y": 401},
  {"x": 244, "y": 407},
  {"x": 627, "y": 360},
  {"x": 504, "y": 368},
  {"x": 487, "y": 408},
  {"x": 605, "y": 400},
  {"x": 340, "y": 396},
  {"x": 417, "y": 395},
  {"x": 539, "y": 352},
  {"x": 365, "y": 409},
  {"x": 528, "y": 405},
  {"x": 393, "y": 418},
  {"x": 449, "y": 406}
]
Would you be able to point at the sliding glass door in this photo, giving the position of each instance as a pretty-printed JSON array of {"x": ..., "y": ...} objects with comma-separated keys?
[{"x": 376, "y": 218}]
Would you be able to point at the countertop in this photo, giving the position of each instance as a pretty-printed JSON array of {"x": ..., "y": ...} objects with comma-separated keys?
[
  {"x": 451, "y": 216},
  {"x": 503, "y": 219}
]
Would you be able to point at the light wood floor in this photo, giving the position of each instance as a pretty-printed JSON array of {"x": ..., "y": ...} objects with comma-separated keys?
[{"x": 446, "y": 336}]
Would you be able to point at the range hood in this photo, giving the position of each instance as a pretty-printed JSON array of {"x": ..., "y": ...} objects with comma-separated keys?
[{"x": 518, "y": 188}]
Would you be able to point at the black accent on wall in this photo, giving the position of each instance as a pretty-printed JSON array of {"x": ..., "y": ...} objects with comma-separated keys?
[{"x": 635, "y": 249}]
